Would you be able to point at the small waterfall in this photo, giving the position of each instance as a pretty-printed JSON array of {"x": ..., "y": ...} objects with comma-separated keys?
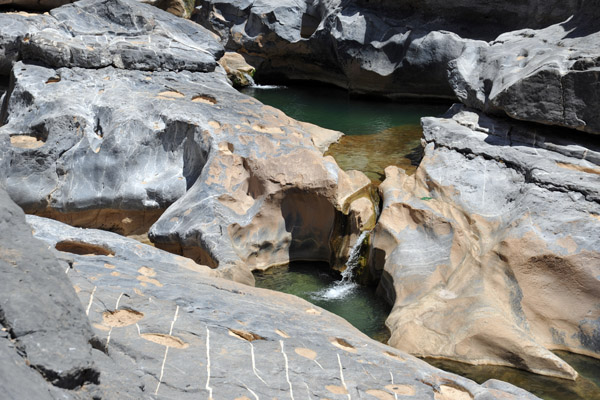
[
  {"x": 352, "y": 262},
  {"x": 249, "y": 78},
  {"x": 255, "y": 85},
  {"x": 345, "y": 286}
]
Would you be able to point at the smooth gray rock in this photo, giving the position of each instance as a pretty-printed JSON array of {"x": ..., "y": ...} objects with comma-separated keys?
[
  {"x": 167, "y": 331},
  {"x": 497, "y": 233},
  {"x": 122, "y": 33},
  {"x": 38, "y": 306},
  {"x": 548, "y": 76},
  {"x": 67, "y": 241},
  {"x": 93, "y": 34},
  {"x": 337, "y": 42},
  {"x": 81, "y": 141},
  {"x": 107, "y": 138}
]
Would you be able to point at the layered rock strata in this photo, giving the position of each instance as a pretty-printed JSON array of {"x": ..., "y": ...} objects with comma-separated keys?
[{"x": 490, "y": 253}]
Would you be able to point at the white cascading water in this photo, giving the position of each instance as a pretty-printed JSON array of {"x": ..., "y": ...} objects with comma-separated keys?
[
  {"x": 255, "y": 85},
  {"x": 345, "y": 286}
]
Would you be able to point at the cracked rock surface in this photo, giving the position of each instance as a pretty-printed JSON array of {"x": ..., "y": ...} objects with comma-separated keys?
[
  {"x": 495, "y": 261},
  {"x": 165, "y": 330}
]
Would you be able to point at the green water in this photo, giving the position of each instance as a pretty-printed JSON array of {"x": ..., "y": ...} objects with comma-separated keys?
[
  {"x": 378, "y": 133},
  {"x": 586, "y": 387},
  {"x": 316, "y": 283}
]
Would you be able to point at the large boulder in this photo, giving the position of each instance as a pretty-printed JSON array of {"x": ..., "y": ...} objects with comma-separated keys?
[
  {"x": 169, "y": 331},
  {"x": 124, "y": 34},
  {"x": 490, "y": 253},
  {"x": 118, "y": 154},
  {"x": 45, "y": 336},
  {"x": 548, "y": 76}
]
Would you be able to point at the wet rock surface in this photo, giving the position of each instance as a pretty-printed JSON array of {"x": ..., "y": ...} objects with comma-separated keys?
[{"x": 497, "y": 233}]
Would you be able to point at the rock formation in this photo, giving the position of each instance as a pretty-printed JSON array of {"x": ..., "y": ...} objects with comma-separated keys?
[
  {"x": 94, "y": 139},
  {"x": 117, "y": 115},
  {"x": 480, "y": 223},
  {"x": 506, "y": 246},
  {"x": 141, "y": 323},
  {"x": 400, "y": 49},
  {"x": 337, "y": 43},
  {"x": 549, "y": 76}
]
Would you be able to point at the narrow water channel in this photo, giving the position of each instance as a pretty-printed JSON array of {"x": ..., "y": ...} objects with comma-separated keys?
[{"x": 379, "y": 134}]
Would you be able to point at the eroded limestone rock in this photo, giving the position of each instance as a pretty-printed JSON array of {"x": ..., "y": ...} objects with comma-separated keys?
[
  {"x": 168, "y": 331},
  {"x": 490, "y": 253},
  {"x": 549, "y": 76},
  {"x": 337, "y": 42},
  {"x": 117, "y": 155}
]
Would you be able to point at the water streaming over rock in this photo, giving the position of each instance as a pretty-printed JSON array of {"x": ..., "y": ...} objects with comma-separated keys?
[
  {"x": 346, "y": 285},
  {"x": 253, "y": 84}
]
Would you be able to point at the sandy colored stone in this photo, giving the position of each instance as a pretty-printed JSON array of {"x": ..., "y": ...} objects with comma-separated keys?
[{"x": 484, "y": 261}]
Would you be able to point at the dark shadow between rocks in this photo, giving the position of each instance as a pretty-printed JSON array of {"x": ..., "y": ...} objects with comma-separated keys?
[
  {"x": 310, "y": 219},
  {"x": 182, "y": 134},
  {"x": 583, "y": 23},
  {"x": 309, "y": 25}
]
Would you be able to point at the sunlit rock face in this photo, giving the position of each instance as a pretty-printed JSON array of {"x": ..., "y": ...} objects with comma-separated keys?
[
  {"x": 109, "y": 133},
  {"x": 549, "y": 76},
  {"x": 335, "y": 42},
  {"x": 103, "y": 316},
  {"x": 490, "y": 253}
]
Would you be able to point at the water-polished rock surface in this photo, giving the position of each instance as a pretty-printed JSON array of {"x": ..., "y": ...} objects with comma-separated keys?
[
  {"x": 114, "y": 146},
  {"x": 549, "y": 76},
  {"x": 336, "y": 42},
  {"x": 166, "y": 330},
  {"x": 490, "y": 251}
]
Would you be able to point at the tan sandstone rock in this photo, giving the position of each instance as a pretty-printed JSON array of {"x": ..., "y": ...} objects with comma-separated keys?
[{"x": 494, "y": 257}]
